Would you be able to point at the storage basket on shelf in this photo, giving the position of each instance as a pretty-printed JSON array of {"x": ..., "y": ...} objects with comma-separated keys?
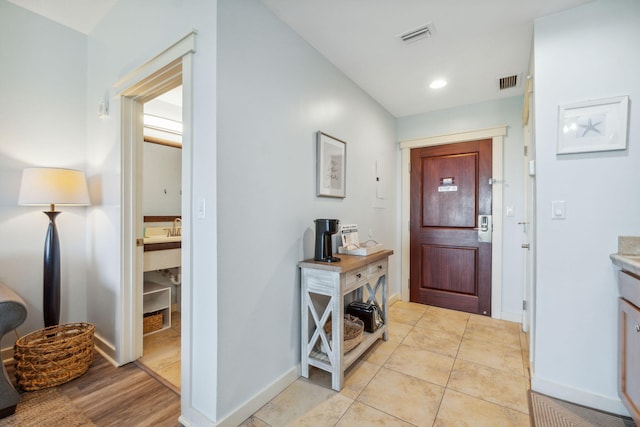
[
  {"x": 353, "y": 330},
  {"x": 152, "y": 322},
  {"x": 52, "y": 356}
]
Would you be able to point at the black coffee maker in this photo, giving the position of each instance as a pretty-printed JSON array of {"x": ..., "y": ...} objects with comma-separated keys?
[{"x": 325, "y": 228}]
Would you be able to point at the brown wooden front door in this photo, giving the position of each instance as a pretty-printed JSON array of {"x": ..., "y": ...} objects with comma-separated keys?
[{"x": 450, "y": 189}]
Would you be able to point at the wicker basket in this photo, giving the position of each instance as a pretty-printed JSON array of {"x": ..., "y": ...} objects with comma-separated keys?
[
  {"x": 353, "y": 330},
  {"x": 152, "y": 322},
  {"x": 52, "y": 356}
]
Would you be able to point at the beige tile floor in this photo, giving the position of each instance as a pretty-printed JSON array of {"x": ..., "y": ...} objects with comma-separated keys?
[
  {"x": 161, "y": 353},
  {"x": 438, "y": 368}
]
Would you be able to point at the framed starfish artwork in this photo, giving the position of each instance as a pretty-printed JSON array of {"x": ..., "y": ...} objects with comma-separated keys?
[{"x": 597, "y": 125}]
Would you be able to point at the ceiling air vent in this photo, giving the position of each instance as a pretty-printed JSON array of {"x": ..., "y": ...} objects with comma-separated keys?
[
  {"x": 508, "y": 82},
  {"x": 419, "y": 33}
]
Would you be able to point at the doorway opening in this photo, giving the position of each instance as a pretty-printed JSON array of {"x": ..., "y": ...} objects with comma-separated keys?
[
  {"x": 162, "y": 234},
  {"x": 168, "y": 70}
]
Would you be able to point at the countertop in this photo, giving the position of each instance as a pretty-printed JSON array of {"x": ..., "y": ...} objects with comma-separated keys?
[
  {"x": 628, "y": 255},
  {"x": 162, "y": 246}
]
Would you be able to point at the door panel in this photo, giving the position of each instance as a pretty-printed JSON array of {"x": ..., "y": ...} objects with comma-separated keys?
[
  {"x": 449, "y": 269},
  {"x": 450, "y": 187},
  {"x": 449, "y": 193}
]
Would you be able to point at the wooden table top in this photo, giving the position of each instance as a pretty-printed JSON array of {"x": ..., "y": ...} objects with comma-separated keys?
[{"x": 346, "y": 263}]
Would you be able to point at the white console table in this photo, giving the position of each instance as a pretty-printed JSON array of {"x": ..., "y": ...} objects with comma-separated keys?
[{"x": 351, "y": 275}]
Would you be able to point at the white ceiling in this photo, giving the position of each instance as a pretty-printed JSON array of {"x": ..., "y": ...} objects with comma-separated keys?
[
  {"x": 81, "y": 15},
  {"x": 475, "y": 43}
]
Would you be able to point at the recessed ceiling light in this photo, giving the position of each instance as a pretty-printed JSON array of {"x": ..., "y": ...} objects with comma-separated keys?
[{"x": 438, "y": 84}]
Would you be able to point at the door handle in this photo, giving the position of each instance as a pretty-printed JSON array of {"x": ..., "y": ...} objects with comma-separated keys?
[
  {"x": 484, "y": 225},
  {"x": 484, "y": 228},
  {"x": 139, "y": 242},
  {"x": 525, "y": 246}
]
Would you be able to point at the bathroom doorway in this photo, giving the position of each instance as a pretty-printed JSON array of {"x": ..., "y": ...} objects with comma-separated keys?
[
  {"x": 162, "y": 235},
  {"x": 169, "y": 69}
]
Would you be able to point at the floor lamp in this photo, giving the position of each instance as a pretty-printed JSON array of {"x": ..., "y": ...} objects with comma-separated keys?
[{"x": 50, "y": 187}]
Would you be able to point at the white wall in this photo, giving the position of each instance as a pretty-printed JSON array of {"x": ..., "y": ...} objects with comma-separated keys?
[
  {"x": 161, "y": 179},
  {"x": 480, "y": 116},
  {"x": 275, "y": 92},
  {"x": 130, "y": 35},
  {"x": 590, "y": 52},
  {"x": 42, "y": 117}
]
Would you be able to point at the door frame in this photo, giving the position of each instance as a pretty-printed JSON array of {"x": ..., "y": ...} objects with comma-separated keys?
[
  {"x": 528, "y": 120},
  {"x": 496, "y": 134},
  {"x": 155, "y": 77}
]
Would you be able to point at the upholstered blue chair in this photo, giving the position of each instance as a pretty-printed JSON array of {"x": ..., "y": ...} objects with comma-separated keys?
[{"x": 13, "y": 312}]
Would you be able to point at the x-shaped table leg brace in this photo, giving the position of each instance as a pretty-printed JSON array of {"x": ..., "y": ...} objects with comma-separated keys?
[
  {"x": 320, "y": 330},
  {"x": 372, "y": 293}
]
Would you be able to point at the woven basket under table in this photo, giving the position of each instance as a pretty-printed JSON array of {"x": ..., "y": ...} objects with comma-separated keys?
[
  {"x": 52, "y": 356},
  {"x": 353, "y": 329}
]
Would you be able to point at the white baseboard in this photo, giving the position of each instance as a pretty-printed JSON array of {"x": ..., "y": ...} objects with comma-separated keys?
[
  {"x": 581, "y": 397},
  {"x": 106, "y": 349},
  {"x": 191, "y": 417},
  {"x": 258, "y": 401},
  {"x": 393, "y": 299},
  {"x": 511, "y": 317}
]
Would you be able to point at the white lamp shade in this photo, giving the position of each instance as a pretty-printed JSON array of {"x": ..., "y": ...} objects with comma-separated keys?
[{"x": 52, "y": 186}]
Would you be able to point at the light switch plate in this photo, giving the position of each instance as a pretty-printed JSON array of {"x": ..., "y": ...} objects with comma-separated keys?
[{"x": 558, "y": 209}]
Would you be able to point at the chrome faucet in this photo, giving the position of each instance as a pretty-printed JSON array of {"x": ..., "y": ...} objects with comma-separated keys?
[{"x": 175, "y": 230}]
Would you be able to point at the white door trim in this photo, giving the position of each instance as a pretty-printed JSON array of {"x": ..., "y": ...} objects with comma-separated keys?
[
  {"x": 158, "y": 64},
  {"x": 145, "y": 83},
  {"x": 163, "y": 72},
  {"x": 497, "y": 134},
  {"x": 527, "y": 227},
  {"x": 129, "y": 347}
]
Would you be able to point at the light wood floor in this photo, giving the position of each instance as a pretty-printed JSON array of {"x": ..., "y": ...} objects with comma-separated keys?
[
  {"x": 144, "y": 393},
  {"x": 161, "y": 354},
  {"x": 124, "y": 396}
]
